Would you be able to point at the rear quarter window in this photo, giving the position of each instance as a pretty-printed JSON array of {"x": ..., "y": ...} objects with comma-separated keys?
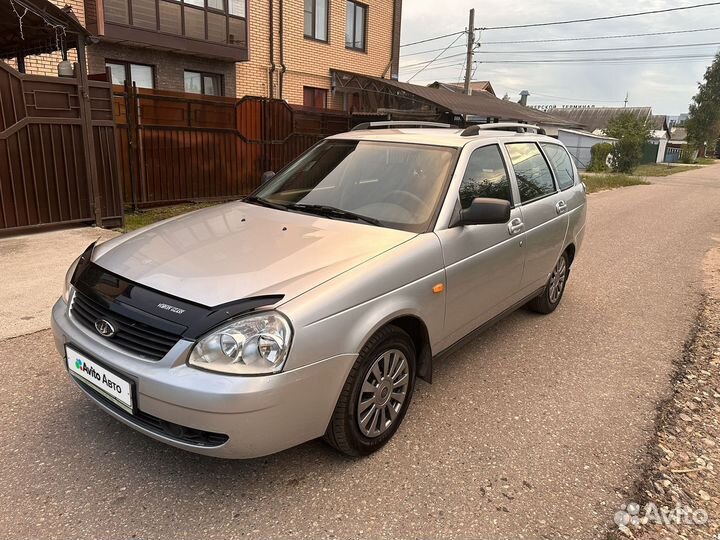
[
  {"x": 561, "y": 164},
  {"x": 531, "y": 170}
]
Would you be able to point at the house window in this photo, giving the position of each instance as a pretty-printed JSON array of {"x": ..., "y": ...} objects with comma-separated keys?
[
  {"x": 209, "y": 84},
  {"x": 316, "y": 19},
  {"x": 315, "y": 97},
  {"x": 355, "y": 26},
  {"x": 143, "y": 76},
  {"x": 237, "y": 7}
]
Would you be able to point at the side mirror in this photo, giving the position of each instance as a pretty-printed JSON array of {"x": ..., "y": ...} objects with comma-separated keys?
[
  {"x": 484, "y": 212},
  {"x": 266, "y": 177}
]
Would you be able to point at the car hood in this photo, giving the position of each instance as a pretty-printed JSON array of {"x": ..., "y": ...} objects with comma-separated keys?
[{"x": 238, "y": 250}]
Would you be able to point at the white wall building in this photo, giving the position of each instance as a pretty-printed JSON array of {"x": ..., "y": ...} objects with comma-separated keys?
[{"x": 579, "y": 144}]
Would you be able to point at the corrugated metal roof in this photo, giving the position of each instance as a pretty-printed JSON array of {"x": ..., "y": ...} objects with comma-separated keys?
[
  {"x": 475, "y": 86},
  {"x": 587, "y": 134},
  {"x": 658, "y": 122},
  {"x": 678, "y": 134},
  {"x": 594, "y": 118},
  {"x": 481, "y": 104}
]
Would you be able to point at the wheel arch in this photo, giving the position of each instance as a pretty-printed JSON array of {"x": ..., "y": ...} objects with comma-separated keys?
[
  {"x": 570, "y": 250},
  {"x": 414, "y": 327}
]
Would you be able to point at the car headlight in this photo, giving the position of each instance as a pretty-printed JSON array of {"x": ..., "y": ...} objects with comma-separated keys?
[
  {"x": 68, "y": 279},
  {"x": 257, "y": 344}
]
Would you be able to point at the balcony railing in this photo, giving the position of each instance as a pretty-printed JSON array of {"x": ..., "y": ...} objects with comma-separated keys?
[{"x": 217, "y": 27}]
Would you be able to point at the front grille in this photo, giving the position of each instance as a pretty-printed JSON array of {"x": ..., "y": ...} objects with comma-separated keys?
[
  {"x": 187, "y": 435},
  {"x": 138, "y": 338}
]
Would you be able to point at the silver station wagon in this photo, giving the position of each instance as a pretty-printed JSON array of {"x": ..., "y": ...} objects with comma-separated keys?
[{"x": 310, "y": 308}]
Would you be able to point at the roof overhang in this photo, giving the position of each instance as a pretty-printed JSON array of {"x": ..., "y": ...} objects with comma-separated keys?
[
  {"x": 587, "y": 134},
  {"x": 30, "y": 27},
  {"x": 480, "y": 105}
]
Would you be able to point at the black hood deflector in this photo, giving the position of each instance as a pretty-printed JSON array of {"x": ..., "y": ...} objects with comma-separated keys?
[{"x": 155, "y": 308}]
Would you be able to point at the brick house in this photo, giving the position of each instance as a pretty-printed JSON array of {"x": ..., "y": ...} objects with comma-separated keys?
[{"x": 271, "y": 48}]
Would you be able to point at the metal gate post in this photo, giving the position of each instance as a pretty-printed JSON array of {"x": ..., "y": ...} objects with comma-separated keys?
[
  {"x": 87, "y": 132},
  {"x": 130, "y": 110}
]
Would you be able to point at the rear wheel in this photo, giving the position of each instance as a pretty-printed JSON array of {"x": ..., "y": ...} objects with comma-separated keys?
[
  {"x": 376, "y": 395},
  {"x": 549, "y": 299}
]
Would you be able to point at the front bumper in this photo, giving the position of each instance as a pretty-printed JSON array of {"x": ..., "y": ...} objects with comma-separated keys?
[{"x": 260, "y": 415}]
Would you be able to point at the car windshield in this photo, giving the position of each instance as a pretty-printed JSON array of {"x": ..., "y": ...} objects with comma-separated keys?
[{"x": 394, "y": 185}]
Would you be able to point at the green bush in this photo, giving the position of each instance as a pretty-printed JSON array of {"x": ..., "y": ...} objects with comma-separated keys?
[
  {"x": 599, "y": 153},
  {"x": 631, "y": 133},
  {"x": 688, "y": 154}
]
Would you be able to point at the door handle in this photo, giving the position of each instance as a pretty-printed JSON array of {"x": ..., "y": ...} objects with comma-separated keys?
[
  {"x": 516, "y": 226},
  {"x": 561, "y": 207}
]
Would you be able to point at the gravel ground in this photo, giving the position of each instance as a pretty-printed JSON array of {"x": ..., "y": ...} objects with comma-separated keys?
[
  {"x": 538, "y": 429},
  {"x": 683, "y": 455}
]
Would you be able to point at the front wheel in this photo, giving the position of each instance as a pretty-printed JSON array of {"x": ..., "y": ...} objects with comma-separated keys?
[
  {"x": 549, "y": 299},
  {"x": 376, "y": 395}
]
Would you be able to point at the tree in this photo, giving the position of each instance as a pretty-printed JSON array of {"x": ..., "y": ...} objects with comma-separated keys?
[
  {"x": 631, "y": 133},
  {"x": 704, "y": 123}
]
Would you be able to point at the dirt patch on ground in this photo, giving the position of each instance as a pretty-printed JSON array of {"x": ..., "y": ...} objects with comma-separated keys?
[{"x": 678, "y": 495}]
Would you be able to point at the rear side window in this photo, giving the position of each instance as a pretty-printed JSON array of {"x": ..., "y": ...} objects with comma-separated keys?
[
  {"x": 485, "y": 176},
  {"x": 561, "y": 163},
  {"x": 533, "y": 174}
]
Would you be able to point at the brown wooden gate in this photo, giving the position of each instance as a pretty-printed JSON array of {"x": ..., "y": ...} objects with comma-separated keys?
[
  {"x": 47, "y": 176},
  {"x": 177, "y": 147}
]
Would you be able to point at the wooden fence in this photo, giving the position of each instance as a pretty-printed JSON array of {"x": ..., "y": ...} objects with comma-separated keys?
[
  {"x": 47, "y": 176},
  {"x": 177, "y": 147}
]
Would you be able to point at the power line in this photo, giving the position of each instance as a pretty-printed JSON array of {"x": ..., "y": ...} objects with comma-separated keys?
[
  {"x": 619, "y": 36},
  {"x": 432, "y": 39},
  {"x": 569, "y": 51},
  {"x": 433, "y": 60},
  {"x": 572, "y": 63},
  {"x": 639, "y": 48},
  {"x": 605, "y": 18},
  {"x": 598, "y": 61},
  {"x": 443, "y": 66},
  {"x": 583, "y": 60},
  {"x": 599, "y": 65},
  {"x": 589, "y": 38},
  {"x": 432, "y": 50}
]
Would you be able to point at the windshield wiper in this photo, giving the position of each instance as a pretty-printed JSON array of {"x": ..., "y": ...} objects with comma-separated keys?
[
  {"x": 332, "y": 212},
  {"x": 264, "y": 202}
]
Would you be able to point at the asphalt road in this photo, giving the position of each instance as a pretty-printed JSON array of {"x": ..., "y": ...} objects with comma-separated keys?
[{"x": 535, "y": 430}]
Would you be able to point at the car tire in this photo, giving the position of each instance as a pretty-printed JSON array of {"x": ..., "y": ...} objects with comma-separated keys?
[
  {"x": 552, "y": 294},
  {"x": 359, "y": 424}
]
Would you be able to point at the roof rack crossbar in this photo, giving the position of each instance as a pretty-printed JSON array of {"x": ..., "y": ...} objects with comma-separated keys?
[
  {"x": 502, "y": 126},
  {"x": 399, "y": 124}
]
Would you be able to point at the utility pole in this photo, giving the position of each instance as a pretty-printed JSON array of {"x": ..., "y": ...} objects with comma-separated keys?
[
  {"x": 470, "y": 45},
  {"x": 627, "y": 97}
]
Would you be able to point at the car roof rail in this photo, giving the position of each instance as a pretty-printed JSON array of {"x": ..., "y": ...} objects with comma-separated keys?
[
  {"x": 502, "y": 126},
  {"x": 399, "y": 124}
]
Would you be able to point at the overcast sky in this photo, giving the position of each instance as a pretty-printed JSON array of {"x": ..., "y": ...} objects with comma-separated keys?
[{"x": 665, "y": 85}]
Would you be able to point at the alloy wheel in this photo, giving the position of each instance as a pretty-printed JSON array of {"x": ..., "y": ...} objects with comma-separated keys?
[
  {"x": 383, "y": 393},
  {"x": 557, "y": 280}
]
